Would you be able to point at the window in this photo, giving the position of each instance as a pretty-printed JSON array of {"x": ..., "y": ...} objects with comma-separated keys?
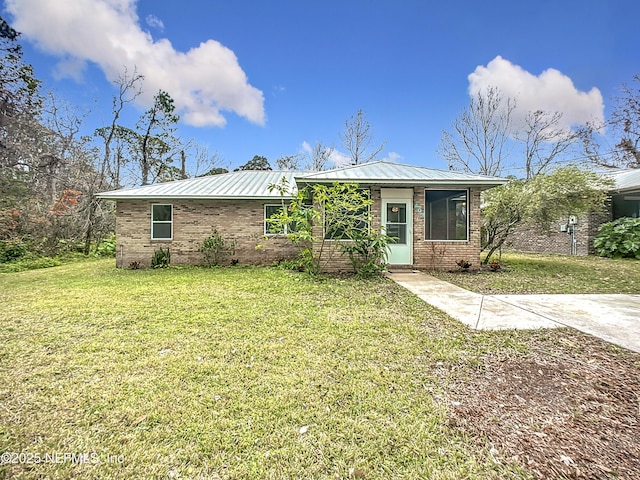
[
  {"x": 343, "y": 218},
  {"x": 161, "y": 222},
  {"x": 272, "y": 228},
  {"x": 446, "y": 215}
]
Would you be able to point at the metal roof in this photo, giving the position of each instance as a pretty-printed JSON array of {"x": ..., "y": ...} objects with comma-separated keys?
[
  {"x": 255, "y": 183},
  {"x": 626, "y": 180},
  {"x": 390, "y": 173},
  {"x": 249, "y": 184}
]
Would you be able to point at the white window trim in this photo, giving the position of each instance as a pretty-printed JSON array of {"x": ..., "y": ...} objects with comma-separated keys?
[
  {"x": 264, "y": 221},
  {"x": 162, "y": 221},
  {"x": 426, "y": 213}
]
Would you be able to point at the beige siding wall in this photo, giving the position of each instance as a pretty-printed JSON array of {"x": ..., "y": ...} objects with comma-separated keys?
[{"x": 193, "y": 221}]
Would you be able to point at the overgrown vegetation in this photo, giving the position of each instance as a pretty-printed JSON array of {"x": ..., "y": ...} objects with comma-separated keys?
[
  {"x": 619, "y": 239},
  {"x": 327, "y": 220},
  {"x": 539, "y": 201}
]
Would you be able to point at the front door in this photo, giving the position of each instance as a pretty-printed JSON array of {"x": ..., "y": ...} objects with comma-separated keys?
[{"x": 396, "y": 220}]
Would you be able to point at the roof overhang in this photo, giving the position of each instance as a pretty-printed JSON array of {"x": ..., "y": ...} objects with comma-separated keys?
[{"x": 489, "y": 183}]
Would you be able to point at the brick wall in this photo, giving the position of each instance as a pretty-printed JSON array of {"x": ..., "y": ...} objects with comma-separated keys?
[
  {"x": 193, "y": 221},
  {"x": 243, "y": 221},
  {"x": 431, "y": 255},
  {"x": 530, "y": 238}
]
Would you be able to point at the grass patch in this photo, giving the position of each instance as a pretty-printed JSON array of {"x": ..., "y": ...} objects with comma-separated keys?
[
  {"x": 528, "y": 273},
  {"x": 231, "y": 373}
]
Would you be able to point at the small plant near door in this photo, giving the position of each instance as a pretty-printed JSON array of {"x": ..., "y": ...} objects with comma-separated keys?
[{"x": 368, "y": 252}]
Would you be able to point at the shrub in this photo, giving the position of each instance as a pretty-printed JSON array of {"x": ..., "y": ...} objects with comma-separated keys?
[
  {"x": 619, "y": 239},
  {"x": 161, "y": 258},
  {"x": 107, "y": 247},
  {"x": 216, "y": 249},
  {"x": 464, "y": 264},
  {"x": 29, "y": 263},
  {"x": 12, "y": 250},
  {"x": 367, "y": 252}
]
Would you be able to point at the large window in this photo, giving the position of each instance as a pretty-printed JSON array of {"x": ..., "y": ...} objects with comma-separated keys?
[
  {"x": 446, "y": 213},
  {"x": 161, "y": 222}
]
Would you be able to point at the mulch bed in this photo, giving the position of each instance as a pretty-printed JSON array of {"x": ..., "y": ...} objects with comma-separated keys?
[{"x": 569, "y": 408}]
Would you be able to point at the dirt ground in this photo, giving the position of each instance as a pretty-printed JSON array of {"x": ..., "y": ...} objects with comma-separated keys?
[{"x": 569, "y": 408}]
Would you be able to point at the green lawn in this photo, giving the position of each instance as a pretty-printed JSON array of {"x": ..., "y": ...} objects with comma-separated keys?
[
  {"x": 231, "y": 373},
  {"x": 533, "y": 273}
]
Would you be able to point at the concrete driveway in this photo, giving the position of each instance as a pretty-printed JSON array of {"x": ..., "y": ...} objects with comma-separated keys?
[{"x": 614, "y": 318}]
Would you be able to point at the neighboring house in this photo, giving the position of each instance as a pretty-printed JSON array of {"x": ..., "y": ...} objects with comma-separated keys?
[
  {"x": 434, "y": 214},
  {"x": 624, "y": 201}
]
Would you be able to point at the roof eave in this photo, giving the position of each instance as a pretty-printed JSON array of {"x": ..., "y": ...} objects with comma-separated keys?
[
  {"x": 370, "y": 181},
  {"x": 190, "y": 197}
]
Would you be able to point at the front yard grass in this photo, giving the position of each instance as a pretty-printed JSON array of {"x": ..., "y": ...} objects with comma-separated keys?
[
  {"x": 231, "y": 373},
  {"x": 525, "y": 273}
]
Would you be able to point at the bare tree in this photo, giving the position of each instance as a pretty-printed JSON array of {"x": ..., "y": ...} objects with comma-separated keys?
[
  {"x": 357, "y": 138},
  {"x": 625, "y": 120},
  {"x": 623, "y": 127},
  {"x": 290, "y": 162},
  {"x": 319, "y": 157},
  {"x": 544, "y": 140},
  {"x": 479, "y": 142},
  {"x": 204, "y": 160},
  {"x": 129, "y": 88}
]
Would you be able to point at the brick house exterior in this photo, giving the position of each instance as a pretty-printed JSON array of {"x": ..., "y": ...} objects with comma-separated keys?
[
  {"x": 438, "y": 213},
  {"x": 623, "y": 201}
]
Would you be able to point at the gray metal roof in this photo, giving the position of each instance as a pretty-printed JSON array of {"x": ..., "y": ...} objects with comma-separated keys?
[
  {"x": 389, "y": 173},
  {"x": 255, "y": 183},
  {"x": 243, "y": 184},
  {"x": 626, "y": 180}
]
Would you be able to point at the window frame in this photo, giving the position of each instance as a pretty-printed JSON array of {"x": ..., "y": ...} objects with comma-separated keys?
[
  {"x": 163, "y": 222},
  {"x": 427, "y": 215},
  {"x": 265, "y": 223}
]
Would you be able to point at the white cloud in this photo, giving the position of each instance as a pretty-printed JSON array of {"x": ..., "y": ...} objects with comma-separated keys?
[
  {"x": 203, "y": 82},
  {"x": 154, "y": 22},
  {"x": 339, "y": 159},
  {"x": 551, "y": 91},
  {"x": 306, "y": 148},
  {"x": 392, "y": 157}
]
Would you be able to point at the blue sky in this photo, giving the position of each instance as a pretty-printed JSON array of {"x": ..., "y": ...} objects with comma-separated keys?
[{"x": 267, "y": 77}]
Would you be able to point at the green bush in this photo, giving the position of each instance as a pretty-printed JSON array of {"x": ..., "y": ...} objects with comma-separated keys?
[
  {"x": 619, "y": 239},
  {"x": 367, "y": 252},
  {"x": 216, "y": 249},
  {"x": 161, "y": 258},
  {"x": 11, "y": 250},
  {"x": 107, "y": 247},
  {"x": 29, "y": 263}
]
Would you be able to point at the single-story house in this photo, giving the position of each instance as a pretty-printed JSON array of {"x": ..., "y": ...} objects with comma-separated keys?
[
  {"x": 434, "y": 214},
  {"x": 577, "y": 237}
]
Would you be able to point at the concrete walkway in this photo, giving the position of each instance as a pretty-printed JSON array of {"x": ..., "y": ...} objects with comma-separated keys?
[{"x": 614, "y": 318}]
